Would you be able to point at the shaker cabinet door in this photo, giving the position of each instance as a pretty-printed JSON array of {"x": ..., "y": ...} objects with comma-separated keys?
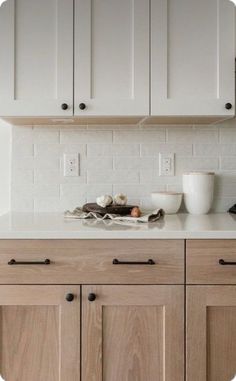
[
  {"x": 111, "y": 57},
  {"x": 36, "y": 61},
  {"x": 132, "y": 333},
  {"x": 39, "y": 333},
  {"x": 211, "y": 333},
  {"x": 192, "y": 58}
]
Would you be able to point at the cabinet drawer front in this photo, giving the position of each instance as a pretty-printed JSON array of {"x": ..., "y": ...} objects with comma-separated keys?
[
  {"x": 91, "y": 262},
  {"x": 211, "y": 262}
]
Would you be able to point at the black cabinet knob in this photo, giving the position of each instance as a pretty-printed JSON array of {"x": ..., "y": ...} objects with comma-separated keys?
[
  {"x": 228, "y": 106},
  {"x": 64, "y": 106},
  {"x": 82, "y": 106},
  {"x": 92, "y": 297},
  {"x": 69, "y": 297}
]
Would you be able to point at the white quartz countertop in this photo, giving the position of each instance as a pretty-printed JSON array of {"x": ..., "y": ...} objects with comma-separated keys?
[{"x": 55, "y": 226}]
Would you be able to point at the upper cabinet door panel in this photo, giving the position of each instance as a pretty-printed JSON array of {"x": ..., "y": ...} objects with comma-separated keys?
[
  {"x": 192, "y": 59},
  {"x": 112, "y": 57},
  {"x": 36, "y": 64}
]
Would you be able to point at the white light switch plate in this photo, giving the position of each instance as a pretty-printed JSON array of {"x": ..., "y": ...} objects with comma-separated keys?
[
  {"x": 71, "y": 165},
  {"x": 166, "y": 164}
]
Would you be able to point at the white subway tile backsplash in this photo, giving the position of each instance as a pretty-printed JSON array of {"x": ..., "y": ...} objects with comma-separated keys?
[
  {"x": 201, "y": 134},
  {"x": 228, "y": 135},
  {"x": 215, "y": 149},
  {"x": 22, "y": 204},
  {"x": 222, "y": 204},
  {"x": 113, "y": 176},
  {"x": 113, "y": 149},
  {"x": 46, "y": 135},
  {"x": 73, "y": 190},
  {"x": 116, "y": 159},
  {"x": 78, "y": 137},
  {"x": 22, "y": 135},
  {"x": 99, "y": 163},
  {"x": 142, "y": 191},
  {"x": 155, "y": 149},
  {"x": 135, "y": 163},
  {"x": 47, "y": 162},
  {"x": 228, "y": 163},
  {"x": 140, "y": 136},
  {"x": 21, "y": 163},
  {"x": 48, "y": 149},
  {"x": 185, "y": 164},
  {"x": 152, "y": 176},
  {"x": 47, "y": 204},
  {"x": 22, "y": 176},
  {"x": 22, "y": 150}
]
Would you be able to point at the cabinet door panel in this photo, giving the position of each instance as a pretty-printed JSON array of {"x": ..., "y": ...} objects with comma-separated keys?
[
  {"x": 36, "y": 62},
  {"x": 133, "y": 333},
  {"x": 192, "y": 57},
  {"x": 112, "y": 57},
  {"x": 211, "y": 333},
  {"x": 39, "y": 333}
]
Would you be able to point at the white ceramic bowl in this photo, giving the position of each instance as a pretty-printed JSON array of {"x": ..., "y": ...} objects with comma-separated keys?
[{"x": 168, "y": 201}]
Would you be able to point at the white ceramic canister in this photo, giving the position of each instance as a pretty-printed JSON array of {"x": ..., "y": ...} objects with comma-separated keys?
[{"x": 198, "y": 188}]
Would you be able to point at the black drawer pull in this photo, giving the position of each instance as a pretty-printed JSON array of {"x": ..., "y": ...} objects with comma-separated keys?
[
  {"x": 224, "y": 263},
  {"x": 13, "y": 262},
  {"x": 117, "y": 262}
]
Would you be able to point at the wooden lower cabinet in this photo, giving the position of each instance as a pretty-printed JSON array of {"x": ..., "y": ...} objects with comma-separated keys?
[
  {"x": 39, "y": 333},
  {"x": 117, "y": 332},
  {"x": 133, "y": 333},
  {"x": 211, "y": 333}
]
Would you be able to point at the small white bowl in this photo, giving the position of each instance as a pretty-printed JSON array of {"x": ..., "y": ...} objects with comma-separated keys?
[{"x": 168, "y": 201}]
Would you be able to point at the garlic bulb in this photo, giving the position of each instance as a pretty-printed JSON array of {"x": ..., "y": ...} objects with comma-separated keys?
[
  {"x": 104, "y": 201},
  {"x": 120, "y": 199}
]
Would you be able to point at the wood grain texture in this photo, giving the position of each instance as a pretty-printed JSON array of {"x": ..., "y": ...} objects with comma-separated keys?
[
  {"x": 133, "y": 333},
  {"x": 99, "y": 120},
  {"x": 182, "y": 120},
  {"x": 211, "y": 333},
  {"x": 29, "y": 343},
  {"x": 39, "y": 334},
  {"x": 203, "y": 261},
  {"x": 133, "y": 339},
  {"x": 90, "y": 261},
  {"x": 221, "y": 343},
  {"x": 71, "y": 121},
  {"x": 122, "y": 210}
]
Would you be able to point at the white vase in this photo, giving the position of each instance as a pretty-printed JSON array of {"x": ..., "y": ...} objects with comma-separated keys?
[{"x": 198, "y": 188}]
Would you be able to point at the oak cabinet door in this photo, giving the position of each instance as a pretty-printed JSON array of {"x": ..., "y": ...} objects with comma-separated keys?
[
  {"x": 112, "y": 57},
  {"x": 192, "y": 57},
  {"x": 211, "y": 333},
  {"x": 39, "y": 333},
  {"x": 36, "y": 61},
  {"x": 133, "y": 333}
]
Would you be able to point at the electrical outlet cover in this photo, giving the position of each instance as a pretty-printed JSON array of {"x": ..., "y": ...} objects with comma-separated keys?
[{"x": 166, "y": 164}]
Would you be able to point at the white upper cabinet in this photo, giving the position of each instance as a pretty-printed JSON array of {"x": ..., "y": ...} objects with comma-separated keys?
[
  {"x": 192, "y": 58},
  {"x": 111, "y": 57},
  {"x": 36, "y": 65},
  {"x": 167, "y": 60}
]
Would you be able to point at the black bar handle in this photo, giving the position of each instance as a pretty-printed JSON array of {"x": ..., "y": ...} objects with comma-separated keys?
[
  {"x": 224, "y": 263},
  {"x": 117, "y": 262},
  {"x": 13, "y": 262}
]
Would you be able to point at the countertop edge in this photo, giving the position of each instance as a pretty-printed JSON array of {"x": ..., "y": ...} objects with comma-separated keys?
[{"x": 121, "y": 236}]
